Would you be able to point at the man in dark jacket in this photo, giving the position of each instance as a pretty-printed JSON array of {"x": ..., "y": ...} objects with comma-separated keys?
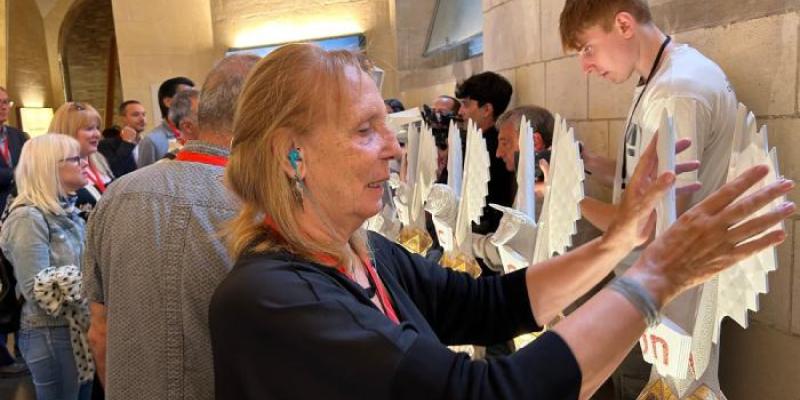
[
  {"x": 120, "y": 150},
  {"x": 11, "y": 141}
]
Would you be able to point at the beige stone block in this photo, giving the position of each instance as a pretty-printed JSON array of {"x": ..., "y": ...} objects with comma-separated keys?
[
  {"x": 593, "y": 134},
  {"x": 530, "y": 85},
  {"x": 510, "y": 75},
  {"x": 784, "y": 135},
  {"x": 759, "y": 363},
  {"x": 489, "y": 4},
  {"x": 759, "y": 57},
  {"x": 511, "y": 35},
  {"x": 551, "y": 39},
  {"x": 610, "y": 100},
  {"x": 416, "y": 97},
  {"x": 566, "y": 88},
  {"x": 775, "y": 307}
]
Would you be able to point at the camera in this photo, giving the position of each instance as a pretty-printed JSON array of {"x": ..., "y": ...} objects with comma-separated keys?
[{"x": 439, "y": 123}]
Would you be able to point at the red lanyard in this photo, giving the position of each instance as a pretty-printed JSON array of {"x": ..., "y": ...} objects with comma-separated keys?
[
  {"x": 6, "y": 152},
  {"x": 95, "y": 177},
  {"x": 202, "y": 158},
  {"x": 380, "y": 290},
  {"x": 175, "y": 131}
]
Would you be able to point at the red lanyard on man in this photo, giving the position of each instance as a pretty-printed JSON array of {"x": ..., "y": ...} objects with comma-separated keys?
[
  {"x": 176, "y": 132},
  {"x": 4, "y": 150},
  {"x": 202, "y": 158},
  {"x": 6, "y": 153}
]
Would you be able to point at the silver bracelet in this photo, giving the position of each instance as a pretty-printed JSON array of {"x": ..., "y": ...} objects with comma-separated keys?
[{"x": 639, "y": 297}]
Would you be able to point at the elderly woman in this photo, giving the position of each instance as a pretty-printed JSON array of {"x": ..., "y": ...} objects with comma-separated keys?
[
  {"x": 82, "y": 122},
  {"x": 317, "y": 308},
  {"x": 43, "y": 240}
]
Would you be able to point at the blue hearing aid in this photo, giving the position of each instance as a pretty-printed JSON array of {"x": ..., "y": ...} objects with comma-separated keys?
[{"x": 294, "y": 157}]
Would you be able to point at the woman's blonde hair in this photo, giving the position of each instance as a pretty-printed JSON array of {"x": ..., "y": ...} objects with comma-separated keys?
[
  {"x": 37, "y": 174},
  {"x": 73, "y": 116},
  {"x": 295, "y": 89}
]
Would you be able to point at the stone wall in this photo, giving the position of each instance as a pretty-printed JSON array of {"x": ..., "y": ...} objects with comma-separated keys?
[
  {"x": 756, "y": 43},
  {"x": 422, "y": 79},
  {"x": 158, "y": 40},
  {"x": 247, "y": 23},
  {"x": 86, "y": 56},
  {"x": 28, "y": 79}
]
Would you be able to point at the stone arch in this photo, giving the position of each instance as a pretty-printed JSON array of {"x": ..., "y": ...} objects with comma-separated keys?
[{"x": 88, "y": 56}]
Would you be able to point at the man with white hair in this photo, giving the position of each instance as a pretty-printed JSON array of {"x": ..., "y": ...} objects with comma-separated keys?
[{"x": 149, "y": 301}]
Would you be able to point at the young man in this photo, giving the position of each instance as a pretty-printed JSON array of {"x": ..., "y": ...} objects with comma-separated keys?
[
  {"x": 120, "y": 151},
  {"x": 165, "y": 137},
  {"x": 614, "y": 40},
  {"x": 11, "y": 141},
  {"x": 483, "y": 98}
]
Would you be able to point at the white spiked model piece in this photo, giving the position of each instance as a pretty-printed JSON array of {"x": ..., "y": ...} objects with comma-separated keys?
[
  {"x": 443, "y": 199},
  {"x": 739, "y": 286},
  {"x": 563, "y": 194},
  {"x": 517, "y": 230},
  {"x": 421, "y": 174},
  {"x": 472, "y": 199}
]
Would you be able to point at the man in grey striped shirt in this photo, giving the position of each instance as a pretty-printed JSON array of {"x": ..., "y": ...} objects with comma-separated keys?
[{"x": 153, "y": 258}]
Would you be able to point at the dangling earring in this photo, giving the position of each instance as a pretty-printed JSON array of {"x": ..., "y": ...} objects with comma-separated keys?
[{"x": 294, "y": 157}]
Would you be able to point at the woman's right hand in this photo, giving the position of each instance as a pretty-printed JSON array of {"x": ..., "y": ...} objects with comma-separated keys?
[{"x": 706, "y": 239}]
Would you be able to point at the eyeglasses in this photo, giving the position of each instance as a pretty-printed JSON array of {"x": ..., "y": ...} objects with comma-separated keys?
[
  {"x": 7, "y": 102},
  {"x": 76, "y": 160},
  {"x": 76, "y": 106}
]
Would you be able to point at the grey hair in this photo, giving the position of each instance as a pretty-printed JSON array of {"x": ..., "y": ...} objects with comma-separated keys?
[
  {"x": 540, "y": 119},
  {"x": 181, "y": 107},
  {"x": 221, "y": 91}
]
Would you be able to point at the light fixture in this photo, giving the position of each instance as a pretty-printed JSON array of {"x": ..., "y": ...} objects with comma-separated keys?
[
  {"x": 299, "y": 30},
  {"x": 35, "y": 120}
]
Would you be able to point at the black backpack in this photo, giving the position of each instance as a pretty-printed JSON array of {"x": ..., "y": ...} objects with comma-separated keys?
[{"x": 10, "y": 305}]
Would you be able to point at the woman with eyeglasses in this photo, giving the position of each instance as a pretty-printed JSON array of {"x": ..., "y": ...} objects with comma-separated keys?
[
  {"x": 82, "y": 122},
  {"x": 43, "y": 239}
]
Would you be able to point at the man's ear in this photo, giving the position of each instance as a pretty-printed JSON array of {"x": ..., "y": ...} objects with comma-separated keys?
[
  {"x": 625, "y": 24},
  {"x": 538, "y": 141},
  {"x": 488, "y": 111}
]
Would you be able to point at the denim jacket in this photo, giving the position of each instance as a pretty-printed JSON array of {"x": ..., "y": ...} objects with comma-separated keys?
[{"x": 33, "y": 240}]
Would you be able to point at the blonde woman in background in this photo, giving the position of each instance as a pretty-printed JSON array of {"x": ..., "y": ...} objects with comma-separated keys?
[
  {"x": 82, "y": 122},
  {"x": 44, "y": 230}
]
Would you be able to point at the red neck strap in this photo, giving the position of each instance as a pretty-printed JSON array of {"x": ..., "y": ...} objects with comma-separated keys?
[
  {"x": 6, "y": 152},
  {"x": 380, "y": 290},
  {"x": 202, "y": 158},
  {"x": 175, "y": 131}
]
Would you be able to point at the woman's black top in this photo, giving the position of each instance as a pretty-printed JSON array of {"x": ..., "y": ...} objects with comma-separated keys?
[{"x": 286, "y": 328}]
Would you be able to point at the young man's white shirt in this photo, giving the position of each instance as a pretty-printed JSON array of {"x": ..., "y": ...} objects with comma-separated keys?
[{"x": 698, "y": 94}]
